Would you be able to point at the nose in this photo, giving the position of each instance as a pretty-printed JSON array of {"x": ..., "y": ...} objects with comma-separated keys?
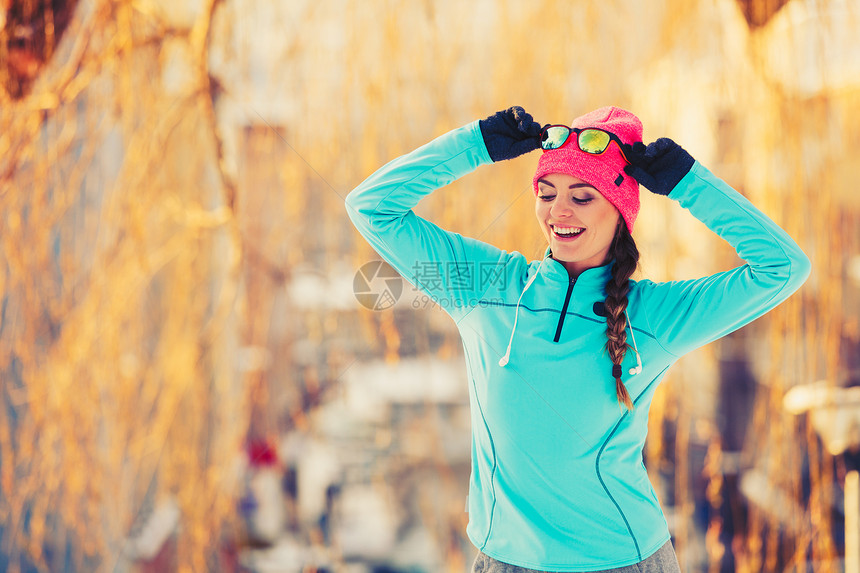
[{"x": 561, "y": 208}]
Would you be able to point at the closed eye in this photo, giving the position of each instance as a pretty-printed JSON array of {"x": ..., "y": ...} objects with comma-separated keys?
[
  {"x": 546, "y": 197},
  {"x": 583, "y": 201}
]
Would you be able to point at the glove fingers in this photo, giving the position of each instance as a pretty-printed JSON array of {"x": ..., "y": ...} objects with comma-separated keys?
[
  {"x": 532, "y": 129},
  {"x": 639, "y": 148},
  {"x": 660, "y": 147},
  {"x": 634, "y": 153},
  {"x": 519, "y": 114},
  {"x": 524, "y": 122},
  {"x": 509, "y": 133},
  {"x": 641, "y": 176},
  {"x": 659, "y": 166}
]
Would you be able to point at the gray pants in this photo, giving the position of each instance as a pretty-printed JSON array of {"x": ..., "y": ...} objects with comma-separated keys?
[{"x": 663, "y": 561}]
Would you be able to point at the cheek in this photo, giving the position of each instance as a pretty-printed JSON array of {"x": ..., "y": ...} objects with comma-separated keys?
[{"x": 610, "y": 217}]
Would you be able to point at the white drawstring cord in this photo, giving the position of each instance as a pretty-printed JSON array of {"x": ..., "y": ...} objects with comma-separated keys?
[
  {"x": 504, "y": 359},
  {"x": 638, "y": 368}
]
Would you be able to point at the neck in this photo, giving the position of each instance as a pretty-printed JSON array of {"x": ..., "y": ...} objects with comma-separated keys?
[
  {"x": 573, "y": 269},
  {"x": 576, "y": 269}
]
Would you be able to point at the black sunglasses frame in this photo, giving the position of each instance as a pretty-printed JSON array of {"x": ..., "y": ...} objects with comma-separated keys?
[{"x": 577, "y": 131}]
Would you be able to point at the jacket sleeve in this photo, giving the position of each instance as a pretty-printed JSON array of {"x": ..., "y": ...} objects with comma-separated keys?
[
  {"x": 454, "y": 270},
  {"x": 687, "y": 314}
]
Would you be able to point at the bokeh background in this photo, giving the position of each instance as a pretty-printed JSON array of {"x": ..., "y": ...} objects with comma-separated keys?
[{"x": 189, "y": 382}]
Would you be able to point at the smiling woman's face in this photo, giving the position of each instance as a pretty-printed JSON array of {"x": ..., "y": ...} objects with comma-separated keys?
[{"x": 577, "y": 220}]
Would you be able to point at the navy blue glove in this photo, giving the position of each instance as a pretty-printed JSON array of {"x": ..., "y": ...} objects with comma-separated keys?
[
  {"x": 659, "y": 166},
  {"x": 510, "y": 133}
]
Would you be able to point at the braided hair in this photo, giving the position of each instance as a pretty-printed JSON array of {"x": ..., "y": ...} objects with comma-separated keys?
[{"x": 626, "y": 255}]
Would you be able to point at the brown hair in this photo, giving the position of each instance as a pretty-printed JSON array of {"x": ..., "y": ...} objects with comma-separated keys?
[{"x": 626, "y": 256}]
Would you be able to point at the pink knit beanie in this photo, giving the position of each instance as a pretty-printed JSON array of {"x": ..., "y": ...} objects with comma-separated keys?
[{"x": 605, "y": 171}]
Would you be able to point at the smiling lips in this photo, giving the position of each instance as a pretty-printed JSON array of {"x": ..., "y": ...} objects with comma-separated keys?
[{"x": 566, "y": 232}]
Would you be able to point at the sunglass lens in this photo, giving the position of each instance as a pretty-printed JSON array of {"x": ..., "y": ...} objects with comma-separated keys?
[
  {"x": 593, "y": 141},
  {"x": 554, "y": 137}
]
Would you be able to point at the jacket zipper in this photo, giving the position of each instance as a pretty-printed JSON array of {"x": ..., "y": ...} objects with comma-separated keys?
[{"x": 563, "y": 310}]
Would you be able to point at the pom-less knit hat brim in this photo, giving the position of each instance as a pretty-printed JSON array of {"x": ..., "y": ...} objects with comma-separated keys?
[{"x": 605, "y": 171}]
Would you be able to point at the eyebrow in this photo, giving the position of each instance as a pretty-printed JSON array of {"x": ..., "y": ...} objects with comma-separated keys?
[{"x": 574, "y": 186}]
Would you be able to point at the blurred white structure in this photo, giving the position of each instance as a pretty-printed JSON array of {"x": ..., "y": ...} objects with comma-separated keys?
[
  {"x": 835, "y": 415},
  {"x": 156, "y": 529},
  {"x": 367, "y": 523},
  {"x": 833, "y": 412}
]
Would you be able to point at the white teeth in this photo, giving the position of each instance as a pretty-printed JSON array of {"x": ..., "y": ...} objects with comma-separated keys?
[{"x": 568, "y": 230}]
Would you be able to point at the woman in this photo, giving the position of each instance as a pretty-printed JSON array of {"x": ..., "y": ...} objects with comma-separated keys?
[{"x": 559, "y": 405}]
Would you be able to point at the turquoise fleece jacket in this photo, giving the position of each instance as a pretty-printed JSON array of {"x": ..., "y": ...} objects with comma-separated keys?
[{"x": 558, "y": 481}]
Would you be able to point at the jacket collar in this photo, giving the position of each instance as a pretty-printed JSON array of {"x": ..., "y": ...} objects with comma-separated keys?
[
  {"x": 596, "y": 277},
  {"x": 591, "y": 281}
]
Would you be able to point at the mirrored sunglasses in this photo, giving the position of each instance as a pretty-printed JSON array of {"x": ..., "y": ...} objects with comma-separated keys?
[{"x": 591, "y": 140}]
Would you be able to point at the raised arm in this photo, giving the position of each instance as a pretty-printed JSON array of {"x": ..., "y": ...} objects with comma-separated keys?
[
  {"x": 454, "y": 270},
  {"x": 687, "y": 314}
]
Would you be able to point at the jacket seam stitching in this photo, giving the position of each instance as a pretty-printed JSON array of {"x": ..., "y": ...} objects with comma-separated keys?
[
  {"x": 457, "y": 321},
  {"x": 495, "y": 462},
  {"x": 606, "y": 489},
  {"x": 582, "y": 316},
  {"x": 597, "y": 465},
  {"x": 654, "y": 335}
]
